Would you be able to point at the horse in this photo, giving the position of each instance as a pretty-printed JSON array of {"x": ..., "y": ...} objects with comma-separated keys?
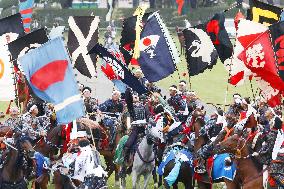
[
  {"x": 106, "y": 150},
  {"x": 62, "y": 181},
  {"x": 144, "y": 160},
  {"x": 197, "y": 123},
  {"x": 249, "y": 173},
  {"x": 12, "y": 174}
]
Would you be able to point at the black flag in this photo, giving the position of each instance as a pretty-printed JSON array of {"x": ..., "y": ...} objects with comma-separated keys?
[
  {"x": 26, "y": 43},
  {"x": 128, "y": 36},
  {"x": 11, "y": 28},
  {"x": 216, "y": 30},
  {"x": 277, "y": 35},
  {"x": 200, "y": 51},
  {"x": 119, "y": 68},
  {"x": 263, "y": 13},
  {"x": 83, "y": 34}
]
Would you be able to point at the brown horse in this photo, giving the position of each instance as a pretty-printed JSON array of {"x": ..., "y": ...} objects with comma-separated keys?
[
  {"x": 62, "y": 181},
  {"x": 248, "y": 173},
  {"x": 12, "y": 175},
  {"x": 23, "y": 92},
  {"x": 197, "y": 123}
]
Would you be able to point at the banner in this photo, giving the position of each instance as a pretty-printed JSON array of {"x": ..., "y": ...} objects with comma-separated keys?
[{"x": 26, "y": 10}]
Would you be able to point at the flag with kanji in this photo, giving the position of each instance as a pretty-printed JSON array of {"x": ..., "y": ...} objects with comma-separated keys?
[
  {"x": 50, "y": 75},
  {"x": 26, "y": 10},
  {"x": 158, "y": 53},
  {"x": 239, "y": 72},
  {"x": 263, "y": 13},
  {"x": 258, "y": 56},
  {"x": 277, "y": 35}
]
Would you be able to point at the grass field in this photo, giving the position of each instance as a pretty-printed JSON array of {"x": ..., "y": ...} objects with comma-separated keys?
[{"x": 211, "y": 86}]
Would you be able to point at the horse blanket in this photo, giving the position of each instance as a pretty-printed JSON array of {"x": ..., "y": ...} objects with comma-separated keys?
[
  {"x": 40, "y": 162},
  {"x": 180, "y": 156},
  {"x": 221, "y": 170},
  {"x": 118, "y": 157}
]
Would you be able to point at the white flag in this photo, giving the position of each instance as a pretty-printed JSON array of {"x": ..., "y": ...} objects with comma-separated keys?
[{"x": 7, "y": 88}]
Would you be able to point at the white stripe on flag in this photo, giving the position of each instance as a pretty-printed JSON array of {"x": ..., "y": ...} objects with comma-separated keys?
[{"x": 66, "y": 102}]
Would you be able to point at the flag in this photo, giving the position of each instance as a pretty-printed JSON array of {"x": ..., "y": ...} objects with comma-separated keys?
[
  {"x": 7, "y": 88},
  {"x": 258, "y": 56},
  {"x": 49, "y": 73},
  {"x": 109, "y": 72},
  {"x": 282, "y": 15},
  {"x": 128, "y": 37},
  {"x": 238, "y": 71},
  {"x": 56, "y": 32},
  {"x": 263, "y": 13},
  {"x": 120, "y": 70},
  {"x": 277, "y": 35},
  {"x": 26, "y": 10},
  {"x": 200, "y": 51},
  {"x": 83, "y": 33},
  {"x": 22, "y": 45},
  {"x": 158, "y": 53},
  {"x": 216, "y": 30},
  {"x": 11, "y": 28}
]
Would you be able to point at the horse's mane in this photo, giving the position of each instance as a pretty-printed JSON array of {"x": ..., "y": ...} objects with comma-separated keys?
[{"x": 56, "y": 131}]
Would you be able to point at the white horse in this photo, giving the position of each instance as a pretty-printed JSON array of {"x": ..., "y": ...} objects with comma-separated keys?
[{"x": 144, "y": 159}]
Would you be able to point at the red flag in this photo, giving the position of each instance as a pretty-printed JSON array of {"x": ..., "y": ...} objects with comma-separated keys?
[
  {"x": 237, "y": 19},
  {"x": 258, "y": 56}
]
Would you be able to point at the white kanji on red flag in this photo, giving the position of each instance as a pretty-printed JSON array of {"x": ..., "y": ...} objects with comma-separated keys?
[{"x": 255, "y": 56}]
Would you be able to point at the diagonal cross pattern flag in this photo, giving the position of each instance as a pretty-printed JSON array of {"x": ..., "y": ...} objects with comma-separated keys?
[
  {"x": 263, "y": 13},
  {"x": 26, "y": 10},
  {"x": 83, "y": 33},
  {"x": 10, "y": 29},
  {"x": 119, "y": 68},
  {"x": 200, "y": 51},
  {"x": 49, "y": 72},
  {"x": 159, "y": 55}
]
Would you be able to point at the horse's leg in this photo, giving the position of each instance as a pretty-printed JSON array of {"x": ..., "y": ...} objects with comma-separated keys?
[
  {"x": 175, "y": 186},
  {"x": 116, "y": 176},
  {"x": 155, "y": 178},
  {"x": 203, "y": 185},
  {"x": 134, "y": 179},
  {"x": 230, "y": 184},
  {"x": 146, "y": 180},
  {"x": 110, "y": 165},
  {"x": 123, "y": 183}
]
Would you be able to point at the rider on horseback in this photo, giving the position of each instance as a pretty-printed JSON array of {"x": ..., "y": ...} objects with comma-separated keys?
[
  {"x": 31, "y": 125},
  {"x": 139, "y": 115},
  {"x": 113, "y": 105},
  {"x": 91, "y": 103},
  {"x": 268, "y": 152},
  {"x": 177, "y": 102},
  {"x": 14, "y": 120}
]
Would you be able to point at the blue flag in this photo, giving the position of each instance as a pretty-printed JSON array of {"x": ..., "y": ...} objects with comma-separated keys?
[
  {"x": 49, "y": 73},
  {"x": 158, "y": 54}
]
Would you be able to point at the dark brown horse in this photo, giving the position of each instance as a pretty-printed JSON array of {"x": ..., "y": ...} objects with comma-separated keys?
[
  {"x": 249, "y": 174},
  {"x": 197, "y": 123},
  {"x": 15, "y": 164},
  {"x": 62, "y": 181}
]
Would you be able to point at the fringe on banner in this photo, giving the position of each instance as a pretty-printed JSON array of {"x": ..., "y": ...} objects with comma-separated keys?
[{"x": 139, "y": 12}]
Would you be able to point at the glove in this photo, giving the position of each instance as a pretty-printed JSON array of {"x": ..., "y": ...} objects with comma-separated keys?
[{"x": 254, "y": 154}]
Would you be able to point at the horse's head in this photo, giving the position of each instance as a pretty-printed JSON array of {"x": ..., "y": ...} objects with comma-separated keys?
[
  {"x": 23, "y": 144},
  {"x": 234, "y": 144},
  {"x": 154, "y": 131}
]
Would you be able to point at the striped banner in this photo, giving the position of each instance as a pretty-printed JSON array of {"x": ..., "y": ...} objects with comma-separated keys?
[{"x": 26, "y": 10}]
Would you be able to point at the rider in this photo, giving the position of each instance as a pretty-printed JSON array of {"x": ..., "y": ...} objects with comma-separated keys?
[
  {"x": 91, "y": 103},
  {"x": 182, "y": 87},
  {"x": 113, "y": 105},
  {"x": 31, "y": 125},
  {"x": 139, "y": 75},
  {"x": 14, "y": 120},
  {"x": 176, "y": 102},
  {"x": 139, "y": 115}
]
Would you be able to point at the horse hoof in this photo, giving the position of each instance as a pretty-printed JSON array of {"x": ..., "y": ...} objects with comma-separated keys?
[
  {"x": 156, "y": 186},
  {"x": 116, "y": 184}
]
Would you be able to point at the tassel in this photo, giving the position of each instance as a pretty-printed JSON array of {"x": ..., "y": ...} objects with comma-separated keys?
[
  {"x": 139, "y": 12},
  {"x": 9, "y": 107}
]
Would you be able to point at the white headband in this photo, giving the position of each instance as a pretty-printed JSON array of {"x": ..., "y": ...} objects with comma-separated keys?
[
  {"x": 173, "y": 88},
  {"x": 32, "y": 108},
  {"x": 115, "y": 91},
  {"x": 86, "y": 90}
]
